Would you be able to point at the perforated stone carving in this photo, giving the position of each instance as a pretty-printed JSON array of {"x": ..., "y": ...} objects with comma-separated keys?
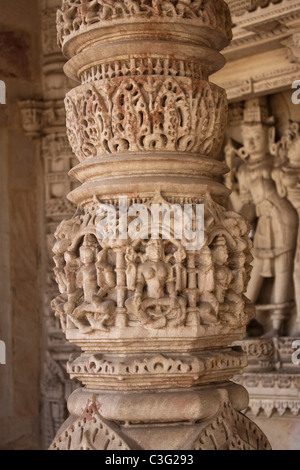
[
  {"x": 75, "y": 16},
  {"x": 145, "y": 114}
]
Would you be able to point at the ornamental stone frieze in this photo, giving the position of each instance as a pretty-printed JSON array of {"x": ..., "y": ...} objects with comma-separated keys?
[
  {"x": 263, "y": 56},
  {"x": 282, "y": 14},
  {"x": 271, "y": 378},
  {"x": 239, "y": 8},
  {"x": 153, "y": 316}
]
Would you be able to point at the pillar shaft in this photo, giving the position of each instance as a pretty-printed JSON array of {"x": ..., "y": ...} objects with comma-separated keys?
[{"x": 154, "y": 316}]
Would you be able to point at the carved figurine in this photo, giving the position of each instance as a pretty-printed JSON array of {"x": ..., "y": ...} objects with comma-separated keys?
[
  {"x": 240, "y": 277},
  {"x": 223, "y": 275},
  {"x": 94, "y": 312},
  {"x": 71, "y": 269},
  {"x": 275, "y": 234},
  {"x": 155, "y": 301},
  {"x": 107, "y": 9},
  {"x": 287, "y": 178},
  {"x": 87, "y": 275},
  {"x": 208, "y": 306},
  {"x": 205, "y": 273},
  {"x": 180, "y": 270}
]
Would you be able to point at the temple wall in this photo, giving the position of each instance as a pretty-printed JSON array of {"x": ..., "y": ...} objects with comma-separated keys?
[{"x": 21, "y": 224}]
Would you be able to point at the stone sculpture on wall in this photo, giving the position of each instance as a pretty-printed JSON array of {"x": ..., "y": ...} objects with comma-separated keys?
[
  {"x": 275, "y": 220},
  {"x": 286, "y": 175},
  {"x": 271, "y": 377}
]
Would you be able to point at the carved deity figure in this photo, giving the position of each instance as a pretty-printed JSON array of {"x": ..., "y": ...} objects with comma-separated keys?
[
  {"x": 208, "y": 304},
  {"x": 73, "y": 291},
  {"x": 223, "y": 275},
  {"x": 276, "y": 230},
  {"x": 87, "y": 275},
  {"x": 287, "y": 178},
  {"x": 229, "y": 282},
  {"x": 106, "y": 278},
  {"x": 205, "y": 274},
  {"x": 155, "y": 301},
  {"x": 94, "y": 312},
  {"x": 63, "y": 236},
  {"x": 240, "y": 275},
  {"x": 180, "y": 271}
]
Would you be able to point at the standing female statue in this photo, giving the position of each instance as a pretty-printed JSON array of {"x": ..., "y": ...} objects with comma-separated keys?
[
  {"x": 287, "y": 178},
  {"x": 277, "y": 221}
]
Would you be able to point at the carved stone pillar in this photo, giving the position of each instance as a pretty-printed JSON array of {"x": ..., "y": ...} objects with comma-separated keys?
[{"x": 154, "y": 318}]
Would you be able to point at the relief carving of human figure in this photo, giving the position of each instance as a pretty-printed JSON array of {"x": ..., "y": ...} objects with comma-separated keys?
[
  {"x": 94, "y": 312},
  {"x": 208, "y": 304},
  {"x": 64, "y": 233},
  {"x": 277, "y": 222},
  {"x": 223, "y": 275},
  {"x": 71, "y": 269},
  {"x": 287, "y": 178},
  {"x": 156, "y": 302}
]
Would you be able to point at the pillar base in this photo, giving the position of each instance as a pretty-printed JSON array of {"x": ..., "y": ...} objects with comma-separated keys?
[{"x": 203, "y": 418}]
